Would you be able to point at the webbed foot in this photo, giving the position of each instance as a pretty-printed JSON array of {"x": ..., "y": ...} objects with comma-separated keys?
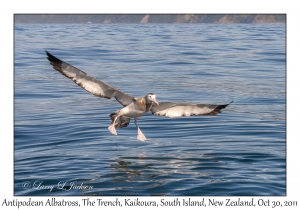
[
  {"x": 112, "y": 129},
  {"x": 140, "y": 135}
]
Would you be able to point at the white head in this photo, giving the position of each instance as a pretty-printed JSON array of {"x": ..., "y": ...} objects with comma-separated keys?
[{"x": 150, "y": 97}]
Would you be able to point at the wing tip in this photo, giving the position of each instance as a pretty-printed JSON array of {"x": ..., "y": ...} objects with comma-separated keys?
[
  {"x": 224, "y": 106},
  {"x": 48, "y": 54},
  {"x": 218, "y": 109},
  {"x": 53, "y": 60}
]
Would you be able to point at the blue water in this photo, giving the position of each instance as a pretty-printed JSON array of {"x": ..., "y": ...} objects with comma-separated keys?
[{"x": 61, "y": 131}]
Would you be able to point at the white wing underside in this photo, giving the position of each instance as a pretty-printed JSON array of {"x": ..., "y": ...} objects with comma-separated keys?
[
  {"x": 174, "y": 110},
  {"x": 89, "y": 83},
  {"x": 180, "y": 111}
]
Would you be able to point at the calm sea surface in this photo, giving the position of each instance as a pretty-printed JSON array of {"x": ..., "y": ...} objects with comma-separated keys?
[{"x": 60, "y": 133}]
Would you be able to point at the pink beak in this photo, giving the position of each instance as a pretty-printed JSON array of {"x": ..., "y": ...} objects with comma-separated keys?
[{"x": 154, "y": 100}]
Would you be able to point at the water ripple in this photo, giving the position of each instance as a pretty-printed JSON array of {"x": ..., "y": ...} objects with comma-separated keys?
[{"x": 61, "y": 130}]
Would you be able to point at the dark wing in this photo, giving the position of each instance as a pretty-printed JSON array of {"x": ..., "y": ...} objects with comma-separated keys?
[
  {"x": 175, "y": 110},
  {"x": 90, "y": 84}
]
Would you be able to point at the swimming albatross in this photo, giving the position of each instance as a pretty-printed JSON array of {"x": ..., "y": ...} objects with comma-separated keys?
[{"x": 133, "y": 107}]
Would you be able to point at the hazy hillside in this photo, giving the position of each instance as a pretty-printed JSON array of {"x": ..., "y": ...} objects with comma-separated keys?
[{"x": 149, "y": 18}]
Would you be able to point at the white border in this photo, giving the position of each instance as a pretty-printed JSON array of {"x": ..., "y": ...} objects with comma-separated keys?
[{"x": 154, "y": 6}]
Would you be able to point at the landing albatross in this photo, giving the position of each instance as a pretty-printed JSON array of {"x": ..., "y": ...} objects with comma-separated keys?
[{"x": 133, "y": 107}]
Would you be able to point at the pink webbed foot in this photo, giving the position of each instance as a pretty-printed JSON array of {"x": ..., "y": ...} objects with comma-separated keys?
[
  {"x": 112, "y": 129},
  {"x": 140, "y": 135}
]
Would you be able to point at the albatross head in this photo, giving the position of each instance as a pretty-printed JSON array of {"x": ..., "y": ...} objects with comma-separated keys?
[{"x": 150, "y": 97}]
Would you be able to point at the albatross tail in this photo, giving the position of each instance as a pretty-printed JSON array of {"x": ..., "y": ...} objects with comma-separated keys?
[{"x": 121, "y": 121}]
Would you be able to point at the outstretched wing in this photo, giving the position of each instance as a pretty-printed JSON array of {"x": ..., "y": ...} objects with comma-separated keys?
[
  {"x": 87, "y": 82},
  {"x": 175, "y": 110}
]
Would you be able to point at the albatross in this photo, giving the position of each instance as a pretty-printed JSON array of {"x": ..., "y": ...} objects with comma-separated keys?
[{"x": 132, "y": 107}]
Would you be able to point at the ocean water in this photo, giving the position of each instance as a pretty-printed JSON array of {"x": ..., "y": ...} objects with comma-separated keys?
[{"x": 61, "y": 142}]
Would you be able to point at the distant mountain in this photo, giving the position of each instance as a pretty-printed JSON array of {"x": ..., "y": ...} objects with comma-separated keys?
[{"x": 150, "y": 18}]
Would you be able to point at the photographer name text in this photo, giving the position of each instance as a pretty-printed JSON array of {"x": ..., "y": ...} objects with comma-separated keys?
[{"x": 163, "y": 202}]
